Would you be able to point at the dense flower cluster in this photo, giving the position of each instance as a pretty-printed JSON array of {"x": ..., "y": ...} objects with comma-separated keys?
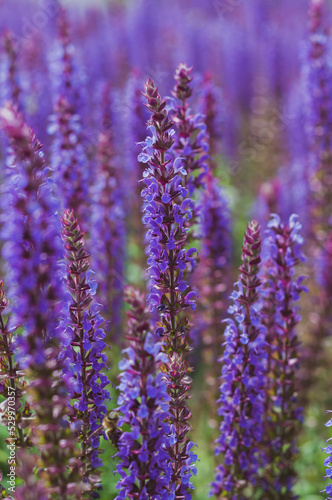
[
  {"x": 319, "y": 122},
  {"x": 145, "y": 467},
  {"x": 31, "y": 233},
  {"x": 191, "y": 140},
  {"x": 212, "y": 107},
  {"x": 242, "y": 396},
  {"x": 84, "y": 348},
  {"x": 166, "y": 210},
  {"x": 11, "y": 84},
  {"x": 32, "y": 251},
  {"x": 12, "y": 383},
  {"x": 68, "y": 156},
  {"x": 281, "y": 290}
]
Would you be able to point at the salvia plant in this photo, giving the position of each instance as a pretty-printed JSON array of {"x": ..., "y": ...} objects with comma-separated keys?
[
  {"x": 166, "y": 209},
  {"x": 84, "y": 350},
  {"x": 32, "y": 250},
  {"x": 242, "y": 393},
  {"x": 122, "y": 343},
  {"x": 281, "y": 291},
  {"x": 144, "y": 462}
]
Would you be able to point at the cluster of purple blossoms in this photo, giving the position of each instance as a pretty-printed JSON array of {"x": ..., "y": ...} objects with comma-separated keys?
[
  {"x": 83, "y": 350},
  {"x": 32, "y": 250},
  {"x": 280, "y": 291},
  {"x": 144, "y": 463},
  {"x": 68, "y": 155},
  {"x": 212, "y": 107},
  {"x": 11, "y": 85},
  {"x": 12, "y": 382},
  {"x": 68, "y": 77},
  {"x": 191, "y": 140},
  {"x": 319, "y": 121},
  {"x": 68, "y": 158},
  {"x": 166, "y": 212},
  {"x": 242, "y": 396},
  {"x": 108, "y": 225},
  {"x": 328, "y": 465},
  {"x": 31, "y": 234}
]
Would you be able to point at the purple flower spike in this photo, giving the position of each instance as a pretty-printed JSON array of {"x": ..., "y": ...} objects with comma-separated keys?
[
  {"x": 213, "y": 109},
  {"x": 191, "y": 139},
  {"x": 12, "y": 86},
  {"x": 145, "y": 466},
  {"x": 12, "y": 383},
  {"x": 242, "y": 396},
  {"x": 83, "y": 353},
  {"x": 281, "y": 290},
  {"x": 170, "y": 294},
  {"x": 319, "y": 88},
  {"x": 166, "y": 219},
  {"x": 68, "y": 158},
  {"x": 32, "y": 250},
  {"x": 69, "y": 149}
]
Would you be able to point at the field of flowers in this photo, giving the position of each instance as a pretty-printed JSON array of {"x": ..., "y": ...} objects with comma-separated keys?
[{"x": 166, "y": 249}]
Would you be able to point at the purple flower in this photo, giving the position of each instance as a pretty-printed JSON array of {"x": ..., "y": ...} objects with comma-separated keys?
[
  {"x": 11, "y": 85},
  {"x": 12, "y": 383},
  {"x": 32, "y": 250},
  {"x": 242, "y": 393},
  {"x": 319, "y": 121},
  {"x": 84, "y": 355},
  {"x": 212, "y": 107},
  {"x": 169, "y": 292},
  {"x": 191, "y": 139},
  {"x": 328, "y": 465},
  {"x": 68, "y": 158},
  {"x": 69, "y": 162},
  {"x": 143, "y": 450},
  {"x": 280, "y": 291}
]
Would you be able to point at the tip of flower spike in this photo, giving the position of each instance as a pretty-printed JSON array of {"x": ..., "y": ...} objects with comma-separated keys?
[
  {"x": 183, "y": 77},
  {"x": 12, "y": 122}
]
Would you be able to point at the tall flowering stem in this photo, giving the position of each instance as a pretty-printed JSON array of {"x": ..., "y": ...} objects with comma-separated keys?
[
  {"x": 68, "y": 155},
  {"x": 68, "y": 158},
  {"x": 32, "y": 250},
  {"x": 319, "y": 122},
  {"x": 108, "y": 226},
  {"x": 12, "y": 84},
  {"x": 12, "y": 383},
  {"x": 191, "y": 139},
  {"x": 143, "y": 449},
  {"x": 84, "y": 354},
  {"x": 67, "y": 74},
  {"x": 241, "y": 402},
  {"x": 212, "y": 109},
  {"x": 280, "y": 292},
  {"x": 166, "y": 212}
]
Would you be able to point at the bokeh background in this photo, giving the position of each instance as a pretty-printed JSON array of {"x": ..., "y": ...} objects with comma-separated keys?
[{"x": 254, "y": 53}]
